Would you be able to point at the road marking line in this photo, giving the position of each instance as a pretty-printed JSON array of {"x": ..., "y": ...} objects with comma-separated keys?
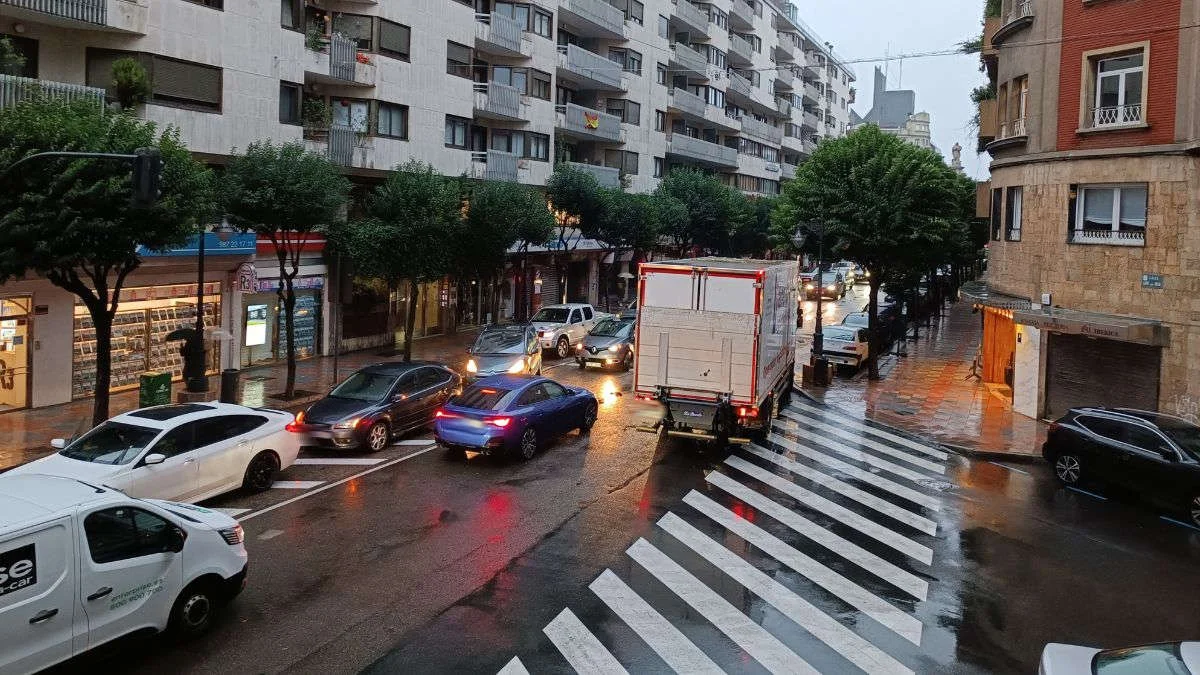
[
  {"x": 296, "y": 484},
  {"x": 930, "y": 466},
  {"x": 867, "y": 499},
  {"x": 232, "y": 513},
  {"x": 1180, "y": 522},
  {"x": 581, "y": 649},
  {"x": 1010, "y": 468},
  {"x": 337, "y": 461},
  {"x": 513, "y": 667},
  {"x": 857, "y": 455},
  {"x": 837, "y": 512},
  {"x": 269, "y": 534},
  {"x": 665, "y": 639},
  {"x": 874, "y": 431},
  {"x": 1090, "y": 494},
  {"x": 893, "y": 574},
  {"x": 928, "y": 501},
  {"x": 758, "y": 643},
  {"x": 330, "y": 486},
  {"x": 838, "y": 585},
  {"x": 414, "y": 441}
]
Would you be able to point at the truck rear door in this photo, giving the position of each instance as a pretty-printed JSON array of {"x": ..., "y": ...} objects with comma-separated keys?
[{"x": 37, "y": 596}]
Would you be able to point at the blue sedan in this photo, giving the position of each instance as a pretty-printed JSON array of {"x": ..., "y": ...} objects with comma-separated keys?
[{"x": 513, "y": 414}]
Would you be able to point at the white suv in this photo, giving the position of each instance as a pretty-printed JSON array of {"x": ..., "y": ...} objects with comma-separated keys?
[{"x": 562, "y": 327}]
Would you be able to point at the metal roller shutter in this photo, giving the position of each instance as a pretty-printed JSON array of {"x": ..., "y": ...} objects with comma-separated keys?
[{"x": 1084, "y": 371}]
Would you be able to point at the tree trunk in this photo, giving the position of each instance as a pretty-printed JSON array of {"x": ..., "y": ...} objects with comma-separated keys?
[
  {"x": 102, "y": 320},
  {"x": 914, "y": 311},
  {"x": 391, "y": 312},
  {"x": 287, "y": 297},
  {"x": 414, "y": 291},
  {"x": 873, "y": 327}
]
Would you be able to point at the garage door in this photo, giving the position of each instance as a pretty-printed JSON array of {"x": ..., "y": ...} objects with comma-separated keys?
[{"x": 1084, "y": 371}]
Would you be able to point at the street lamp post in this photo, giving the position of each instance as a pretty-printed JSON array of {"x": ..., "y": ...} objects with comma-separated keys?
[{"x": 816, "y": 358}]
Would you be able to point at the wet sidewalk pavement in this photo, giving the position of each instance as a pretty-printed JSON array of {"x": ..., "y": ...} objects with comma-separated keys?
[
  {"x": 931, "y": 393},
  {"x": 25, "y": 434}
]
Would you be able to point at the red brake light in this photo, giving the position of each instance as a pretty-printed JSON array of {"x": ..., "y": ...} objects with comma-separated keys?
[
  {"x": 500, "y": 421},
  {"x": 294, "y": 425},
  {"x": 747, "y": 412},
  {"x": 439, "y": 413}
]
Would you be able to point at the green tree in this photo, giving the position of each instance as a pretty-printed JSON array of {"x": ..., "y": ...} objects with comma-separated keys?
[
  {"x": 283, "y": 194},
  {"x": 629, "y": 222},
  {"x": 884, "y": 203},
  {"x": 131, "y": 82},
  {"x": 752, "y": 232},
  {"x": 70, "y": 220},
  {"x": 577, "y": 194},
  {"x": 713, "y": 210},
  {"x": 413, "y": 226}
]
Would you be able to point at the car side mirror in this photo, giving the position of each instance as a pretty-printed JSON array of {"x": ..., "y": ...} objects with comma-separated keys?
[
  {"x": 176, "y": 538},
  {"x": 154, "y": 458},
  {"x": 58, "y": 443}
]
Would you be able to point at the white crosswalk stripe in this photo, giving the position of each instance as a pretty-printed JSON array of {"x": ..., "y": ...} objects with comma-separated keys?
[
  {"x": 296, "y": 484},
  {"x": 338, "y": 461},
  {"x": 841, "y": 604},
  {"x": 834, "y": 416}
]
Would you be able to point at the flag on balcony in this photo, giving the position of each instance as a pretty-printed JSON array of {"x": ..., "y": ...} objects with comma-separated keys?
[{"x": 591, "y": 120}]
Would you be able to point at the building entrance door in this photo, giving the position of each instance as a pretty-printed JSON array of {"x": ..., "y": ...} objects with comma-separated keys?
[{"x": 14, "y": 352}]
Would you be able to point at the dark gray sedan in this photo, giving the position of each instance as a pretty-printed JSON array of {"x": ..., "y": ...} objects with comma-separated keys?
[
  {"x": 505, "y": 350},
  {"x": 608, "y": 344}
]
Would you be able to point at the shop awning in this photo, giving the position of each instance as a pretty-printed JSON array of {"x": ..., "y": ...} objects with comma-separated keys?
[
  {"x": 1093, "y": 324},
  {"x": 979, "y": 293}
]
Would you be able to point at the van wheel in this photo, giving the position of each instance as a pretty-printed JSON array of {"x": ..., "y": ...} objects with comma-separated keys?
[
  {"x": 192, "y": 613},
  {"x": 563, "y": 347},
  {"x": 260, "y": 473}
]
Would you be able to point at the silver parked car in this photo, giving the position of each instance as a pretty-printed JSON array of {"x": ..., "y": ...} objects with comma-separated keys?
[
  {"x": 499, "y": 350},
  {"x": 610, "y": 343},
  {"x": 1164, "y": 658}
]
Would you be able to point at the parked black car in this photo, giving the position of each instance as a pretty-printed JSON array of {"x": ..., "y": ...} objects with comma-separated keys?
[
  {"x": 1155, "y": 455},
  {"x": 377, "y": 403}
]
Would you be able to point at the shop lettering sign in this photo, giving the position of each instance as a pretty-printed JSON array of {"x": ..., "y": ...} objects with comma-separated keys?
[
  {"x": 299, "y": 284},
  {"x": 247, "y": 277},
  {"x": 1152, "y": 281}
]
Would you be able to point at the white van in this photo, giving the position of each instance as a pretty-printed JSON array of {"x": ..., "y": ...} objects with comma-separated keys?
[{"x": 82, "y": 564}]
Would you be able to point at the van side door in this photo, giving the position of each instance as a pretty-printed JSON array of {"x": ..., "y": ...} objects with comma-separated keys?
[
  {"x": 128, "y": 574},
  {"x": 37, "y": 596}
]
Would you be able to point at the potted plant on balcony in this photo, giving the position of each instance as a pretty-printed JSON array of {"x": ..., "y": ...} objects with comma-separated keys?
[
  {"x": 316, "y": 115},
  {"x": 131, "y": 83}
]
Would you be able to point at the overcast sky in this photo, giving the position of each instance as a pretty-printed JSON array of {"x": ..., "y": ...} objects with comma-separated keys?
[{"x": 867, "y": 29}]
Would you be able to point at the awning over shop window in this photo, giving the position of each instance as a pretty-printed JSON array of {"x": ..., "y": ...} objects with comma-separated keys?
[
  {"x": 1092, "y": 324},
  {"x": 979, "y": 293}
]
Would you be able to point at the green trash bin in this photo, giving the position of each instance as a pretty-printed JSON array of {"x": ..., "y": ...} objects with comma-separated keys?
[{"x": 154, "y": 389}]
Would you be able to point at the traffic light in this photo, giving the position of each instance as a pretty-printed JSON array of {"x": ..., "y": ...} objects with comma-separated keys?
[{"x": 147, "y": 176}]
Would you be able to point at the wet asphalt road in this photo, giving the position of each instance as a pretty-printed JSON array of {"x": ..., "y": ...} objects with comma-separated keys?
[{"x": 422, "y": 563}]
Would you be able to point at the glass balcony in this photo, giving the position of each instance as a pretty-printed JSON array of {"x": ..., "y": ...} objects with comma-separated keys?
[
  {"x": 589, "y": 69},
  {"x": 703, "y": 152},
  {"x": 593, "y": 18}
]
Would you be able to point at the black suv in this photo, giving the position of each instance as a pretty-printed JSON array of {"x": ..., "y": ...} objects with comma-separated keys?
[{"x": 1156, "y": 455}]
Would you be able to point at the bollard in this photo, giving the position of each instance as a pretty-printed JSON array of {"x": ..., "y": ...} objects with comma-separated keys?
[{"x": 229, "y": 385}]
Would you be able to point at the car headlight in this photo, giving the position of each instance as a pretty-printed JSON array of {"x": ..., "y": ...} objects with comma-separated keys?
[
  {"x": 517, "y": 366},
  {"x": 472, "y": 367},
  {"x": 615, "y": 348},
  {"x": 866, "y": 274},
  {"x": 831, "y": 287},
  {"x": 808, "y": 287},
  {"x": 347, "y": 424}
]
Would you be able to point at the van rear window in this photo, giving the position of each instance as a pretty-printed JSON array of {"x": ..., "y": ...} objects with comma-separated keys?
[{"x": 480, "y": 397}]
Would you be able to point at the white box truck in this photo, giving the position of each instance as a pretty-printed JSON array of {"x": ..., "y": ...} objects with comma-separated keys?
[{"x": 715, "y": 345}]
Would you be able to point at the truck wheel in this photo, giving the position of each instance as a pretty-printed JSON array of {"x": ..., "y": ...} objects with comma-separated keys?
[
  {"x": 192, "y": 612},
  {"x": 563, "y": 347}
]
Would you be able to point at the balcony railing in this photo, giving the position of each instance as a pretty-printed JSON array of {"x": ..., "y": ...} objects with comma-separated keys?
[
  {"x": 498, "y": 31},
  {"x": 87, "y": 11},
  {"x": 784, "y": 106},
  {"x": 1018, "y": 17},
  {"x": 588, "y": 123},
  {"x": 14, "y": 90},
  {"x": 784, "y": 79},
  {"x": 342, "y": 140},
  {"x": 740, "y": 15},
  {"x": 590, "y": 66},
  {"x": 1020, "y": 10},
  {"x": 787, "y": 171},
  {"x": 761, "y": 130},
  {"x": 495, "y": 165},
  {"x": 686, "y": 58},
  {"x": 810, "y": 120},
  {"x": 1116, "y": 115},
  {"x": 606, "y": 176},
  {"x": 690, "y": 16},
  {"x": 1012, "y": 129},
  {"x": 1111, "y": 237},
  {"x": 686, "y": 102},
  {"x": 740, "y": 85},
  {"x": 784, "y": 48},
  {"x": 740, "y": 50},
  {"x": 701, "y": 151},
  {"x": 602, "y": 18},
  {"x": 498, "y": 100},
  {"x": 343, "y": 53}
]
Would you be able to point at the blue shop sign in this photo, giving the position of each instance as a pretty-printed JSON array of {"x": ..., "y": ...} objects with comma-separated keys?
[
  {"x": 1152, "y": 281},
  {"x": 239, "y": 243}
]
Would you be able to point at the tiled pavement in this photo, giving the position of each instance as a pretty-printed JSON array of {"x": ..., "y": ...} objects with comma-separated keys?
[
  {"x": 25, "y": 434},
  {"x": 930, "y": 392}
]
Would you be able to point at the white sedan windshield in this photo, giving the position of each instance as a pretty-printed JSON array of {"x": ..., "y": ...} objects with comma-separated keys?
[{"x": 111, "y": 443}]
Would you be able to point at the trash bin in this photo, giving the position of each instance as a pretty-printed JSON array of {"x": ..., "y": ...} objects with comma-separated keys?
[
  {"x": 229, "y": 385},
  {"x": 154, "y": 389}
]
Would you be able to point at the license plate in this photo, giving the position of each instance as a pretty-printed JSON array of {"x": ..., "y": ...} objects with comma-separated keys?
[{"x": 474, "y": 424}]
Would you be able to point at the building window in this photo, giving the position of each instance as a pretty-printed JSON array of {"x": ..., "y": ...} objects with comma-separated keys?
[
  {"x": 291, "y": 14},
  {"x": 1012, "y": 214},
  {"x": 660, "y": 120},
  {"x": 997, "y": 206},
  {"x": 356, "y": 27},
  {"x": 456, "y": 132},
  {"x": 631, "y": 61},
  {"x": 172, "y": 82},
  {"x": 624, "y": 160},
  {"x": 290, "y": 97},
  {"x": 636, "y": 12},
  {"x": 658, "y": 167},
  {"x": 514, "y": 11},
  {"x": 664, "y": 27},
  {"x": 660, "y": 74},
  {"x": 716, "y": 57},
  {"x": 394, "y": 39},
  {"x": 392, "y": 121},
  {"x": 543, "y": 23},
  {"x": 1115, "y": 91},
  {"x": 538, "y": 147},
  {"x": 215, "y": 4},
  {"x": 540, "y": 87},
  {"x": 629, "y": 111},
  {"x": 353, "y": 113},
  {"x": 1111, "y": 214},
  {"x": 458, "y": 59},
  {"x": 27, "y": 49},
  {"x": 711, "y": 95}
]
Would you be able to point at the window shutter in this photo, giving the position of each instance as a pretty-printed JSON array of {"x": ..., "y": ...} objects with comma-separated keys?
[{"x": 189, "y": 82}]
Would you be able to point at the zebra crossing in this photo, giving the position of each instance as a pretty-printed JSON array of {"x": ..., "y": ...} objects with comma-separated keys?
[{"x": 807, "y": 553}]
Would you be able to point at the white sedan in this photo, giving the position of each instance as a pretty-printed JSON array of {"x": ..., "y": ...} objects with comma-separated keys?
[
  {"x": 186, "y": 452},
  {"x": 1164, "y": 658}
]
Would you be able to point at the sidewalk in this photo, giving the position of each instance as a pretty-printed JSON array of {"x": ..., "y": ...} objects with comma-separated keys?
[
  {"x": 25, "y": 434},
  {"x": 930, "y": 393}
]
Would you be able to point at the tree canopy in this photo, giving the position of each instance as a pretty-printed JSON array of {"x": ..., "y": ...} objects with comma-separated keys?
[{"x": 713, "y": 210}]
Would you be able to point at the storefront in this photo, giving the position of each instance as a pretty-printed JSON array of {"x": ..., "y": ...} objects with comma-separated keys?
[
  {"x": 264, "y": 323},
  {"x": 998, "y": 347},
  {"x": 14, "y": 352}
]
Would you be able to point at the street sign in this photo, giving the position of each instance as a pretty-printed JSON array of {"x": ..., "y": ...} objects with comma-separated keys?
[{"x": 1152, "y": 281}]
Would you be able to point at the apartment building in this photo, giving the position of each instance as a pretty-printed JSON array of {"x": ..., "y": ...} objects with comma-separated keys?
[
  {"x": 490, "y": 89},
  {"x": 1094, "y": 202}
]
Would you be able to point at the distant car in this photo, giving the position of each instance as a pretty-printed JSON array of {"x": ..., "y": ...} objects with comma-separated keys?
[
  {"x": 861, "y": 275},
  {"x": 856, "y": 320},
  {"x": 1165, "y": 658},
  {"x": 1154, "y": 454},
  {"x": 630, "y": 312},
  {"x": 511, "y": 349},
  {"x": 847, "y": 270},
  {"x": 561, "y": 327},
  {"x": 186, "y": 452},
  {"x": 507, "y": 414},
  {"x": 377, "y": 403},
  {"x": 833, "y": 286},
  {"x": 845, "y": 345},
  {"x": 610, "y": 343}
]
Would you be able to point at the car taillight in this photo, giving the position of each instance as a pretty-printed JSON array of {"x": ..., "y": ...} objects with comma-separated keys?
[
  {"x": 294, "y": 425},
  {"x": 442, "y": 414},
  {"x": 232, "y": 535},
  {"x": 747, "y": 412},
  {"x": 500, "y": 421}
]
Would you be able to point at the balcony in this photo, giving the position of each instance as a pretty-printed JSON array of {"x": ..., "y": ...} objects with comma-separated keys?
[
  {"x": 338, "y": 63},
  {"x": 14, "y": 90},
  {"x": 685, "y": 102},
  {"x": 342, "y": 145},
  {"x": 989, "y": 54},
  {"x": 810, "y": 120},
  {"x": 740, "y": 53},
  {"x": 1109, "y": 237},
  {"x": 785, "y": 80},
  {"x": 761, "y": 130},
  {"x": 499, "y": 102},
  {"x": 606, "y": 176},
  {"x": 811, "y": 71},
  {"x": 120, "y": 16},
  {"x": 740, "y": 90},
  {"x": 784, "y": 49},
  {"x": 703, "y": 152},
  {"x": 741, "y": 16},
  {"x": 494, "y": 165},
  {"x": 783, "y": 106},
  {"x": 810, "y": 144},
  {"x": 689, "y": 17},
  {"x": 811, "y": 94},
  {"x": 1116, "y": 116},
  {"x": 684, "y": 58},
  {"x": 1019, "y": 16},
  {"x": 1009, "y": 134},
  {"x": 589, "y": 69},
  {"x": 500, "y": 35},
  {"x": 787, "y": 171},
  {"x": 593, "y": 18},
  {"x": 987, "y": 122},
  {"x": 782, "y": 23},
  {"x": 588, "y": 124}
]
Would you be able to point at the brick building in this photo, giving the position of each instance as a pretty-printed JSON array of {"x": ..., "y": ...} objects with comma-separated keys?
[{"x": 1094, "y": 132}]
